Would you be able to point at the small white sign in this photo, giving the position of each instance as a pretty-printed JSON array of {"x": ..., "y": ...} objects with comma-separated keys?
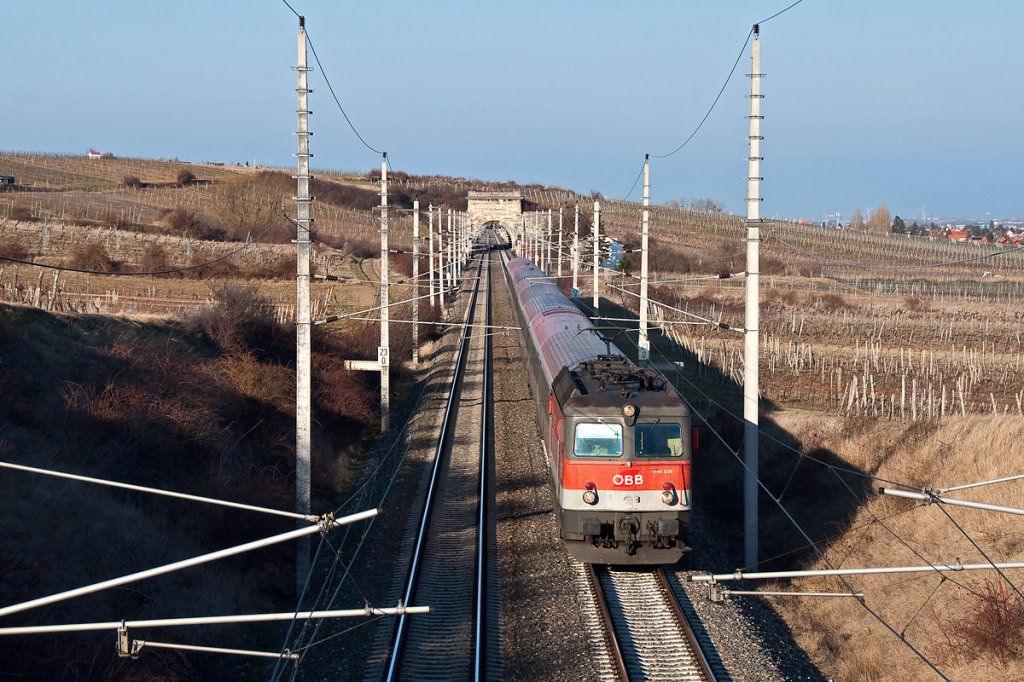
[
  {"x": 643, "y": 355},
  {"x": 382, "y": 355}
]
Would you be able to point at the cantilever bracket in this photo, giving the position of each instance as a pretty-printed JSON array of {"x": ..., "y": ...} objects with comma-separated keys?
[
  {"x": 326, "y": 522},
  {"x": 126, "y": 648}
]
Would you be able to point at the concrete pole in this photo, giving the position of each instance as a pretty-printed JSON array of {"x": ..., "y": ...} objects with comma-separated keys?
[
  {"x": 451, "y": 252},
  {"x": 430, "y": 258},
  {"x": 416, "y": 282},
  {"x": 462, "y": 242},
  {"x": 547, "y": 258},
  {"x": 538, "y": 232},
  {"x": 457, "y": 246},
  {"x": 597, "y": 253},
  {"x": 384, "y": 351},
  {"x": 560, "y": 258},
  {"x": 576, "y": 250},
  {"x": 751, "y": 325},
  {"x": 303, "y": 324},
  {"x": 441, "y": 284},
  {"x": 644, "y": 342}
]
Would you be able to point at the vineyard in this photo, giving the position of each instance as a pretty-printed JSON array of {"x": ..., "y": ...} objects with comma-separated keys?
[{"x": 851, "y": 323}]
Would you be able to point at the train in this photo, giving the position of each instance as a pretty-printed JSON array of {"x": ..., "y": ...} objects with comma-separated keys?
[{"x": 618, "y": 437}]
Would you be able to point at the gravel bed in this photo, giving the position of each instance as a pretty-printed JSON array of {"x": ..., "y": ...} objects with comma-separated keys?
[
  {"x": 542, "y": 626},
  {"x": 751, "y": 640}
]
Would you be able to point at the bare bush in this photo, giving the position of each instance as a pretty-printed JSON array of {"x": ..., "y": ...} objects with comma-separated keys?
[
  {"x": 23, "y": 213},
  {"x": 992, "y": 626},
  {"x": 363, "y": 249},
  {"x": 9, "y": 248},
  {"x": 186, "y": 177},
  {"x": 401, "y": 264},
  {"x": 916, "y": 304},
  {"x": 154, "y": 258},
  {"x": 189, "y": 222},
  {"x": 345, "y": 394},
  {"x": 833, "y": 302},
  {"x": 132, "y": 181},
  {"x": 92, "y": 256},
  {"x": 251, "y": 206},
  {"x": 239, "y": 319}
]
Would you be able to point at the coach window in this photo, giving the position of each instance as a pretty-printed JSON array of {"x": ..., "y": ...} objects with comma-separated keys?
[
  {"x": 658, "y": 440},
  {"x": 598, "y": 440}
]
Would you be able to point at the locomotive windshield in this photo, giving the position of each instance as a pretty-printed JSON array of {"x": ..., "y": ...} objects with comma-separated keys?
[
  {"x": 658, "y": 440},
  {"x": 598, "y": 440}
]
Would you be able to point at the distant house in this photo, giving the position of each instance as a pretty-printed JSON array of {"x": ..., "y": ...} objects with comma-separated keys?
[
  {"x": 957, "y": 235},
  {"x": 93, "y": 154}
]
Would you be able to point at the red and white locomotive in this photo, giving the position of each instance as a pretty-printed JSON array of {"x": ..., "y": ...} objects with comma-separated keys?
[{"x": 618, "y": 436}]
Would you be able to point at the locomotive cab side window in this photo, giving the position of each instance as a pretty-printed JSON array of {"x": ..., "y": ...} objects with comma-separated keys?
[
  {"x": 598, "y": 440},
  {"x": 658, "y": 440}
]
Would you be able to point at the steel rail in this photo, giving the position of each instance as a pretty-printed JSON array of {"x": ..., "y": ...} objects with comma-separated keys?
[
  {"x": 479, "y": 656},
  {"x": 684, "y": 623},
  {"x": 447, "y": 422},
  {"x": 607, "y": 623}
]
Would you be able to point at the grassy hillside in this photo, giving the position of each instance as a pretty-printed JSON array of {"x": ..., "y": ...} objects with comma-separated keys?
[{"x": 203, "y": 406}]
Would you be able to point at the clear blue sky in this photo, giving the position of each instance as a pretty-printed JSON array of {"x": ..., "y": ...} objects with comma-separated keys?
[{"x": 909, "y": 104}]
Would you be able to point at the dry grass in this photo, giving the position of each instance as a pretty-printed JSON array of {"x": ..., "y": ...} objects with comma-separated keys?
[{"x": 965, "y": 635}]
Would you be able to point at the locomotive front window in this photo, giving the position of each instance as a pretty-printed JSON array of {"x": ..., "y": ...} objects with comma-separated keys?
[
  {"x": 658, "y": 440},
  {"x": 598, "y": 440}
]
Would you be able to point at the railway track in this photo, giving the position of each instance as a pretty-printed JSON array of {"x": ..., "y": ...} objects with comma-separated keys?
[
  {"x": 648, "y": 634},
  {"x": 450, "y": 566}
]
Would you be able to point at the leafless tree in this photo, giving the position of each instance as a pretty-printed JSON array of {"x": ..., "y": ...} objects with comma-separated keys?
[
  {"x": 857, "y": 222},
  {"x": 879, "y": 220}
]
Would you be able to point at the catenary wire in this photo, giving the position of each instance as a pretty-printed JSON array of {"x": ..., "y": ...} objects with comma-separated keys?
[
  {"x": 292, "y": 9},
  {"x": 335, "y": 96},
  {"x": 728, "y": 78},
  {"x": 637, "y": 181},
  {"x": 713, "y": 104},
  {"x": 783, "y": 11}
]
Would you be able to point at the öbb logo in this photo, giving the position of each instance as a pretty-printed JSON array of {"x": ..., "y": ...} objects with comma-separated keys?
[{"x": 628, "y": 479}]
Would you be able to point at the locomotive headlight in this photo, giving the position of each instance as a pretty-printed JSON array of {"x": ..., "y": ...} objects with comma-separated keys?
[
  {"x": 590, "y": 494},
  {"x": 668, "y": 494},
  {"x": 629, "y": 411}
]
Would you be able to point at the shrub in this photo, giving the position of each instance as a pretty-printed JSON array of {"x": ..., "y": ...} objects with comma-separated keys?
[
  {"x": 242, "y": 321},
  {"x": 131, "y": 181},
  {"x": 401, "y": 264},
  {"x": 22, "y": 213},
  {"x": 154, "y": 258},
  {"x": 662, "y": 257},
  {"x": 253, "y": 205},
  {"x": 916, "y": 304},
  {"x": 362, "y": 249},
  {"x": 186, "y": 177},
  {"x": 12, "y": 249},
  {"x": 344, "y": 394},
  {"x": 770, "y": 265},
  {"x": 92, "y": 257},
  {"x": 191, "y": 224},
  {"x": 992, "y": 627},
  {"x": 833, "y": 302}
]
